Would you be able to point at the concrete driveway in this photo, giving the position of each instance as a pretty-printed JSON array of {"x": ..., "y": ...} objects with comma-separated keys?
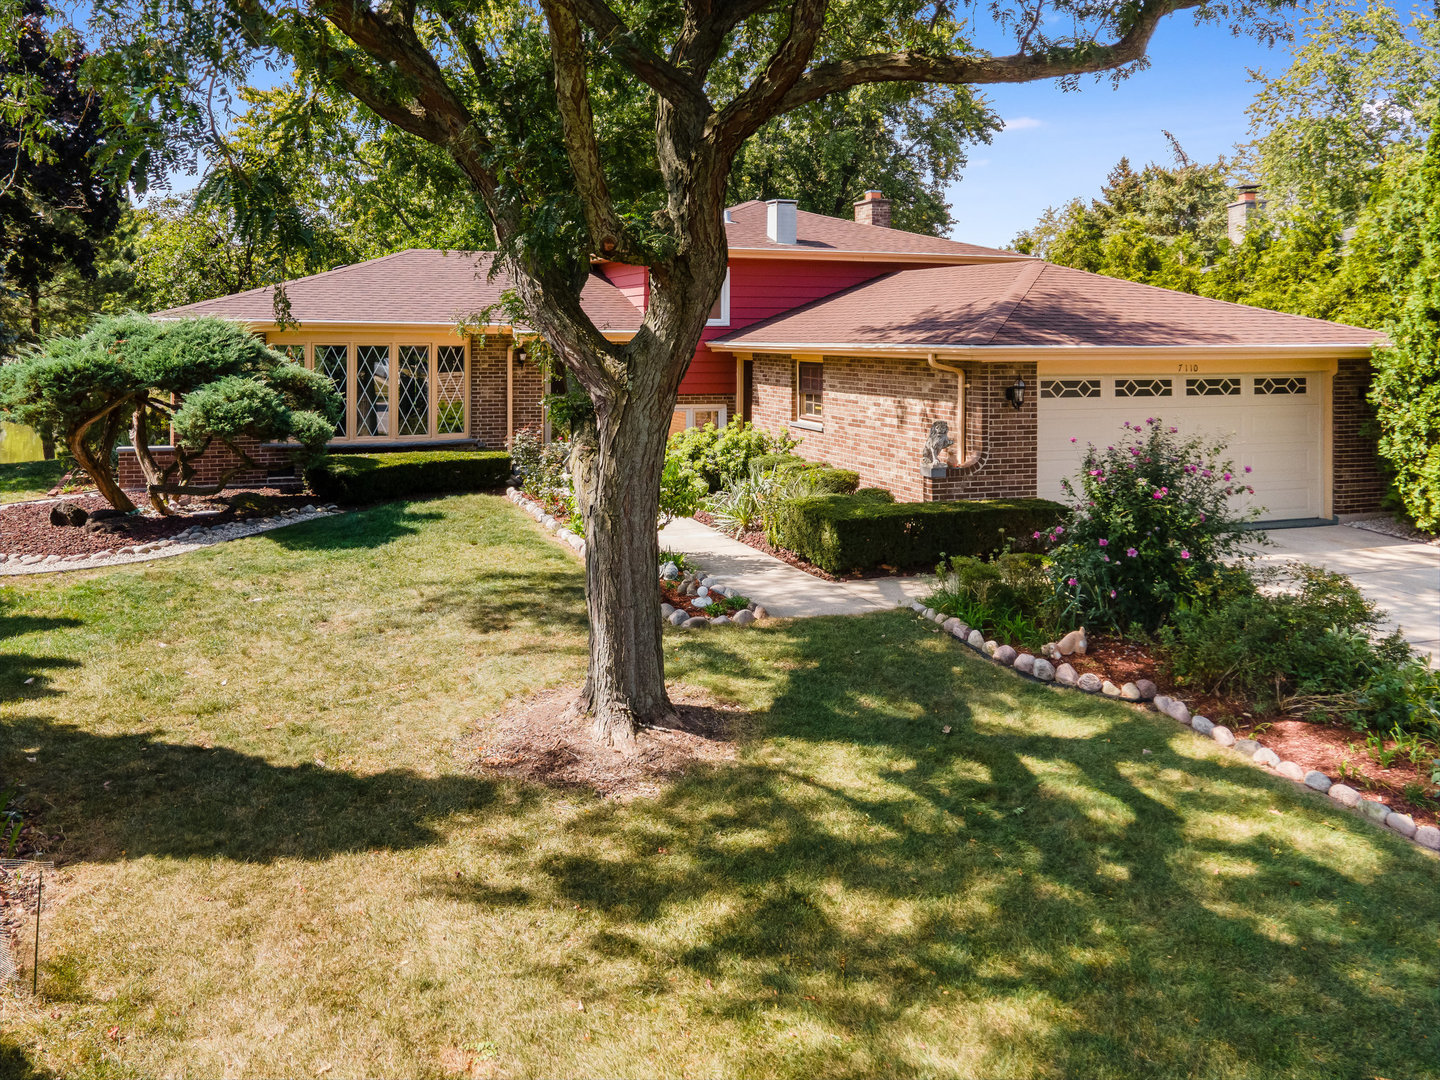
[{"x": 1403, "y": 577}]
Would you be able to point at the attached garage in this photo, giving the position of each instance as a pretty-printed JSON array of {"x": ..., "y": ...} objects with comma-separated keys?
[{"x": 1273, "y": 421}]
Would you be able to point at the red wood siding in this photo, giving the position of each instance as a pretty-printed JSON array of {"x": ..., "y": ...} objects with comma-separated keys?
[{"x": 759, "y": 288}]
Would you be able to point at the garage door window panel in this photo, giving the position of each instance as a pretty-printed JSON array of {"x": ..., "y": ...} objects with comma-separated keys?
[
  {"x": 1070, "y": 388},
  {"x": 1142, "y": 388},
  {"x": 1212, "y": 387}
]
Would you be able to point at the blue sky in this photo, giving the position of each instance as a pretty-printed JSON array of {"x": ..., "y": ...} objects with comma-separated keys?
[{"x": 1061, "y": 145}]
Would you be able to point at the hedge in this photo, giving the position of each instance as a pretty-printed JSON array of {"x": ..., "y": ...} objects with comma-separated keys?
[
  {"x": 840, "y": 533},
  {"x": 783, "y": 463},
  {"x": 367, "y": 478},
  {"x": 819, "y": 477}
]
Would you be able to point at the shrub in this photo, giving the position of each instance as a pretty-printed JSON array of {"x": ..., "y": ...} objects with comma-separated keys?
[
  {"x": 1314, "y": 645},
  {"x": 1150, "y": 525},
  {"x": 1010, "y": 596},
  {"x": 722, "y": 456},
  {"x": 682, "y": 491},
  {"x": 839, "y": 533},
  {"x": 827, "y": 481},
  {"x": 780, "y": 463},
  {"x": 366, "y": 478},
  {"x": 751, "y": 502}
]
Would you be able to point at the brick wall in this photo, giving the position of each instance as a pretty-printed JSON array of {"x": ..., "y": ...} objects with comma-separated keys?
[
  {"x": 211, "y": 464},
  {"x": 878, "y": 414},
  {"x": 1357, "y": 482},
  {"x": 487, "y": 389}
]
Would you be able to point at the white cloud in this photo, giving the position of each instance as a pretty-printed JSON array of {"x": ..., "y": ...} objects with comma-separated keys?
[{"x": 1023, "y": 123}]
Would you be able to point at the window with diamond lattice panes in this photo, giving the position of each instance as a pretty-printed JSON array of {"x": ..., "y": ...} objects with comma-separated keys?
[
  {"x": 412, "y": 389},
  {"x": 331, "y": 361},
  {"x": 1280, "y": 384},
  {"x": 449, "y": 390},
  {"x": 1070, "y": 388},
  {"x": 372, "y": 390}
]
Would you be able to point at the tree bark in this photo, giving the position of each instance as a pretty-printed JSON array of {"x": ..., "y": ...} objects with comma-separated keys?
[
  {"x": 139, "y": 439},
  {"x": 616, "y": 462},
  {"x": 99, "y": 471}
]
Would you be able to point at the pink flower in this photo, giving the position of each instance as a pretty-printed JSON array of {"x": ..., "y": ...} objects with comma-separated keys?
[
  {"x": 1202, "y": 517},
  {"x": 1174, "y": 430},
  {"x": 1037, "y": 536},
  {"x": 1112, "y": 594},
  {"x": 1205, "y": 473},
  {"x": 1247, "y": 468},
  {"x": 1104, "y": 542},
  {"x": 1227, "y": 476},
  {"x": 1131, "y": 552},
  {"x": 1158, "y": 495},
  {"x": 1073, "y": 581},
  {"x": 1184, "y": 554},
  {"x": 1105, "y": 557},
  {"x": 1072, "y": 438}
]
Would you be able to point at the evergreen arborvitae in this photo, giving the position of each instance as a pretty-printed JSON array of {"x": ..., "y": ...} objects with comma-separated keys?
[{"x": 1406, "y": 392}]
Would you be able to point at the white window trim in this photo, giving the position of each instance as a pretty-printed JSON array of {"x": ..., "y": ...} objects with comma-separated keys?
[
  {"x": 717, "y": 407},
  {"x": 724, "y": 319},
  {"x": 808, "y": 423}
]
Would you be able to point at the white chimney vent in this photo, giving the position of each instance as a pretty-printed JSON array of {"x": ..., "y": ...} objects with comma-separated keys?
[
  {"x": 780, "y": 220},
  {"x": 729, "y": 218}
]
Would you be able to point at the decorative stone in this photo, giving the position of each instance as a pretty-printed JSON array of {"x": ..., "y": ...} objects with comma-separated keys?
[
  {"x": 1089, "y": 682},
  {"x": 1178, "y": 711},
  {"x": 697, "y": 623},
  {"x": 1109, "y": 689},
  {"x": 1024, "y": 662},
  {"x": 1147, "y": 689},
  {"x": 1004, "y": 655},
  {"x": 1073, "y": 643},
  {"x": 1130, "y": 692},
  {"x": 669, "y": 571},
  {"x": 950, "y": 624},
  {"x": 962, "y": 630},
  {"x": 1223, "y": 735},
  {"x": 1065, "y": 675},
  {"x": 976, "y": 639},
  {"x": 678, "y": 618},
  {"x": 1317, "y": 780},
  {"x": 703, "y": 590},
  {"x": 1247, "y": 746},
  {"x": 939, "y": 618},
  {"x": 760, "y": 612},
  {"x": 915, "y": 606},
  {"x": 990, "y": 646},
  {"x": 707, "y": 581},
  {"x": 743, "y": 618},
  {"x": 1404, "y": 824},
  {"x": 1161, "y": 703},
  {"x": 1044, "y": 670},
  {"x": 721, "y": 620},
  {"x": 1375, "y": 811},
  {"x": 1203, "y": 725},
  {"x": 702, "y": 601},
  {"x": 1344, "y": 794},
  {"x": 68, "y": 513},
  {"x": 929, "y": 613},
  {"x": 1428, "y": 836},
  {"x": 1266, "y": 756},
  {"x": 1290, "y": 771},
  {"x": 666, "y": 610}
]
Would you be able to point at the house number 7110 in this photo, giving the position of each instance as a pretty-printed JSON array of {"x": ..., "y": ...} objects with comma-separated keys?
[{"x": 1188, "y": 367}]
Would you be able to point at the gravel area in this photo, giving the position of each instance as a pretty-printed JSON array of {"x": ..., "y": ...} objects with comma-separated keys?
[{"x": 1391, "y": 526}]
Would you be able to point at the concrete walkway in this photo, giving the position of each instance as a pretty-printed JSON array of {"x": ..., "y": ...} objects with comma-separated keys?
[
  {"x": 1401, "y": 576},
  {"x": 784, "y": 591}
]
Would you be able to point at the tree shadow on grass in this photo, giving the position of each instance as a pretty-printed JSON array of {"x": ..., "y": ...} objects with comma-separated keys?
[
  {"x": 23, "y": 675},
  {"x": 134, "y": 795},
  {"x": 16, "y": 1064},
  {"x": 1086, "y": 906},
  {"x": 371, "y": 527}
]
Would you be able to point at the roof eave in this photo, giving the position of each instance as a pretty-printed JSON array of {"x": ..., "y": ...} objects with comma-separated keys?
[{"x": 1002, "y": 352}]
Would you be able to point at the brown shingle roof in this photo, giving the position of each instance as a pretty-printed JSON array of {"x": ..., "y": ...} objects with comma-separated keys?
[
  {"x": 417, "y": 287},
  {"x": 821, "y": 235},
  {"x": 1019, "y": 304}
]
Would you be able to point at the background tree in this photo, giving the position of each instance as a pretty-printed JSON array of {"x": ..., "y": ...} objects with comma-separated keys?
[
  {"x": 591, "y": 131},
  {"x": 56, "y": 203},
  {"x": 1406, "y": 390},
  {"x": 207, "y": 379}
]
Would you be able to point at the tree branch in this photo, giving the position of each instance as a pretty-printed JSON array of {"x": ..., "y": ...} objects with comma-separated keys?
[
  {"x": 764, "y": 98},
  {"x": 616, "y": 38},
  {"x": 577, "y": 124},
  {"x": 1057, "y": 62}
]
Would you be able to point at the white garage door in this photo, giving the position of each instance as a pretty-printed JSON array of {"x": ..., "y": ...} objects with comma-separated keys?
[{"x": 1272, "y": 422}]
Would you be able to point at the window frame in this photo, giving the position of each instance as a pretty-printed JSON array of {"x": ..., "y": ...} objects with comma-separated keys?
[
  {"x": 352, "y": 341},
  {"x": 691, "y": 408},
  {"x": 798, "y": 417},
  {"x": 724, "y": 319}
]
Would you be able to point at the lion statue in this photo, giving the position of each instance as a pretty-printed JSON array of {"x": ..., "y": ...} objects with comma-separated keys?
[{"x": 932, "y": 457}]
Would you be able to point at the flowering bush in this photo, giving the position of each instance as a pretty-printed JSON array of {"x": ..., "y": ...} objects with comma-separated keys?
[
  {"x": 1151, "y": 521},
  {"x": 722, "y": 456}
]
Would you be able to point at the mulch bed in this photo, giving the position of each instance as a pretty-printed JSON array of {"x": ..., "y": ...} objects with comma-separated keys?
[
  {"x": 671, "y": 595},
  {"x": 545, "y": 739},
  {"x": 1310, "y": 745},
  {"x": 25, "y": 528}
]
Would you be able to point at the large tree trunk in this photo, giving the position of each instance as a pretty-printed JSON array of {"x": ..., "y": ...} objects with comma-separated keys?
[
  {"x": 104, "y": 479},
  {"x": 617, "y": 464}
]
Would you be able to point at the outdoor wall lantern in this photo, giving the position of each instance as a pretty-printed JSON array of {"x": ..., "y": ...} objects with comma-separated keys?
[
  {"x": 1015, "y": 394},
  {"x": 521, "y": 355}
]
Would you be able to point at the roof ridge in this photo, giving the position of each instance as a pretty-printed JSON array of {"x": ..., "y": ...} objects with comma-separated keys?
[{"x": 989, "y": 327}]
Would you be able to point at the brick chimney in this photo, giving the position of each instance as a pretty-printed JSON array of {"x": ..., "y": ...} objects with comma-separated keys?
[
  {"x": 1238, "y": 214},
  {"x": 873, "y": 209}
]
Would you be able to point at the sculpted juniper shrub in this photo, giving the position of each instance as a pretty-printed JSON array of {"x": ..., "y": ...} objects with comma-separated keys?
[{"x": 1151, "y": 520}]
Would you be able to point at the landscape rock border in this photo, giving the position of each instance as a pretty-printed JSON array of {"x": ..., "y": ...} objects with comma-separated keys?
[
  {"x": 1143, "y": 692},
  {"x": 194, "y": 538},
  {"x": 705, "y": 584}
]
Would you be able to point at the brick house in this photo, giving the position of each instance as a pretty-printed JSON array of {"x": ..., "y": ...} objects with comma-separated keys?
[{"x": 857, "y": 337}]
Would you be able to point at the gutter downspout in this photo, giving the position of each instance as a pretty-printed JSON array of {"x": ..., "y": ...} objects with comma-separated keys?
[
  {"x": 959, "y": 404},
  {"x": 510, "y": 394}
]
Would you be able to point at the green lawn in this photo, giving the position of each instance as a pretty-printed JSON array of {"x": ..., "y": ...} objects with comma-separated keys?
[
  {"x": 278, "y": 863},
  {"x": 28, "y": 479}
]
